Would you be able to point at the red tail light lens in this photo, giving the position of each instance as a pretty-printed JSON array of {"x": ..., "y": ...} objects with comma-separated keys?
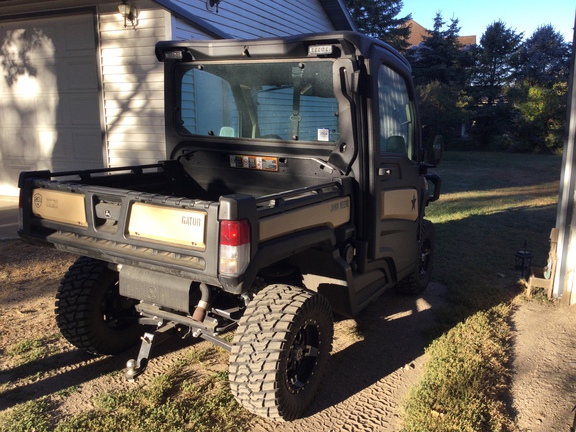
[
  {"x": 234, "y": 233},
  {"x": 234, "y": 247}
]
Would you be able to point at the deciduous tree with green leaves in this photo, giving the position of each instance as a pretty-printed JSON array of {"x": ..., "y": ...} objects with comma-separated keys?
[{"x": 539, "y": 94}]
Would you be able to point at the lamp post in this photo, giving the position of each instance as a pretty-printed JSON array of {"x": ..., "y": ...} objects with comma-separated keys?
[{"x": 523, "y": 261}]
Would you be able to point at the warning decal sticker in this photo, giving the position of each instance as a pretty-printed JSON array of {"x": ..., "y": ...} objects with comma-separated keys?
[{"x": 264, "y": 163}]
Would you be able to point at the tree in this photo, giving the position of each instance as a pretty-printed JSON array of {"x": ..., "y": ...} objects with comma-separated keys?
[
  {"x": 539, "y": 92},
  {"x": 494, "y": 65},
  {"x": 544, "y": 59},
  {"x": 443, "y": 110},
  {"x": 376, "y": 18},
  {"x": 540, "y": 117},
  {"x": 440, "y": 57}
]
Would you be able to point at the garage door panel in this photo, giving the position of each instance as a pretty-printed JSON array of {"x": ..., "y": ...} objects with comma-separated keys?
[
  {"x": 81, "y": 74},
  {"x": 90, "y": 141},
  {"x": 50, "y": 106},
  {"x": 84, "y": 110},
  {"x": 21, "y": 143},
  {"x": 77, "y": 38},
  {"x": 20, "y": 113}
]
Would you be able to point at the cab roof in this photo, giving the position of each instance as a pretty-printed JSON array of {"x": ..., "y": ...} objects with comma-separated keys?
[{"x": 347, "y": 44}]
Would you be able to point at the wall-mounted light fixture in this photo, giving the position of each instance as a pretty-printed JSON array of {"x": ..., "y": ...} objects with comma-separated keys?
[
  {"x": 211, "y": 3},
  {"x": 129, "y": 13}
]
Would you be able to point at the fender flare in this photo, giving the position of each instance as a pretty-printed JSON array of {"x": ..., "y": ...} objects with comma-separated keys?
[{"x": 275, "y": 250}]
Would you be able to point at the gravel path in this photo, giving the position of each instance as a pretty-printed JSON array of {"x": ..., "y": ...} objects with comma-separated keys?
[{"x": 544, "y": 367}]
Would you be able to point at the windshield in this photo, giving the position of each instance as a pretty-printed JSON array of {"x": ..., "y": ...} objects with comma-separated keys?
[{"x": 288, "y": 100}]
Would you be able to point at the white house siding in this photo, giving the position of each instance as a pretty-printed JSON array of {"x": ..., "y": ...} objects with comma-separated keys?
[
  {"x": 184, "y": 31},
  {"x": 133, "y": 86},
  {"x": 49, "y": 109},
  {"x": 258, "y": 18}
]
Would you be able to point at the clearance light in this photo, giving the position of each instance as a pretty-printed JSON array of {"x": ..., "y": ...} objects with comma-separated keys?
[
  {"x": 173, "y": 55},
  {"x": 316, "y": 50},
  {"x": 234, "y": 247}
]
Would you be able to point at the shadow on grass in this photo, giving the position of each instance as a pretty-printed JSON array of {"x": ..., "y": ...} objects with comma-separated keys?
[
  {"x": 476, "y": 257},
  {"x": 70, "y": 369}
]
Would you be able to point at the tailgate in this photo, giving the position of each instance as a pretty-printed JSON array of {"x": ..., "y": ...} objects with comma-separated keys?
[{"x": 173, "y": 235}]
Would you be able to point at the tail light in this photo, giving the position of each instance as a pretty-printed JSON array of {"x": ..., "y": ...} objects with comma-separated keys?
[{"x": 234, "y": 247}]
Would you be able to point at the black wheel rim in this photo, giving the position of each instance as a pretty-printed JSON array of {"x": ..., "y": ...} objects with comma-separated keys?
[
  {"x": 425, "y": 257},
  {"x": 302, "y": 356}
]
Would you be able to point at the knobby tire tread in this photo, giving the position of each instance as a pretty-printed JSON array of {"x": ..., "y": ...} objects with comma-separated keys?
[
  {"x": 259, "y": 344},
  {"x": 79, "y": 293}
]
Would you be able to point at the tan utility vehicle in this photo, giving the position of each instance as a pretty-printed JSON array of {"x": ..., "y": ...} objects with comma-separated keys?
[{"x": 295, "y": 188}]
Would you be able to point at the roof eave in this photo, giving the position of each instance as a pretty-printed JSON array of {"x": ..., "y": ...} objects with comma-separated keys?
[
  {"x": 338, "y": 15},
  {"x": 185, "y": 15}
]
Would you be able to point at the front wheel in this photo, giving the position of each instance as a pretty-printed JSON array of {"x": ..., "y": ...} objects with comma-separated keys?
[
  {"x": 90, "y": 312},
  {"x": 417, "y": 281},
  {"x": 280, "y": 351}
]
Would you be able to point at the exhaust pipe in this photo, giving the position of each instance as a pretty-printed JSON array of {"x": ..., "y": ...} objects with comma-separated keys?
[{"x": 200, "y": 311}]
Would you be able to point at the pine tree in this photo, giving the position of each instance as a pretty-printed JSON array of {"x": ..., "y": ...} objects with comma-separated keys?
[
  {"x": 377, "y": 18},
  {"x": 494, "y": 67},
  {"x": 544, "y": 59},
  {"x": 440, "y": 57}
]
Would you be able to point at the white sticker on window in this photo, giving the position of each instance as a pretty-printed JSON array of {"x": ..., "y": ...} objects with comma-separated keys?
[{"x": 323, "y": 134}]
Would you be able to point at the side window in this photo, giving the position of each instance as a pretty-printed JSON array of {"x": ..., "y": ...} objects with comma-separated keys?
[{"x": 396, "y": 112}]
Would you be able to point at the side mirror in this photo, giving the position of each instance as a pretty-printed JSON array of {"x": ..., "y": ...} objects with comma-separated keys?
[
  {"x": 435, "y": 151},
  {"x": 436, "y": 182}
]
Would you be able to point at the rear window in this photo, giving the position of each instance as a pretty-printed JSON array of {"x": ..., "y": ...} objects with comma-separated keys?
[{"x": 270, "y": 101}]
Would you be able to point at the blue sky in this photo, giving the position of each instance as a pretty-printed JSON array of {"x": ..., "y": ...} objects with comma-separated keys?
[{"x": 474, "y": 16}]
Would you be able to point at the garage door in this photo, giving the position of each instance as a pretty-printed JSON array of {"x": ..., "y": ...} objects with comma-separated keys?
[{"x": 49, "y": 109}]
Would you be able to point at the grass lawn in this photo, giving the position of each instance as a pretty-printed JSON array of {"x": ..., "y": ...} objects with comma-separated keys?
[{"x": 491, "y": 204}]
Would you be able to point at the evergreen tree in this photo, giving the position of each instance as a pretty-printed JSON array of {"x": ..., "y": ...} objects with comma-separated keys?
[
  {"x": 377, "y": 18},
  {"x": 440, "y": 57},
  {"x": 544, "y": 59},
  {"x": 494, "y": 65}
]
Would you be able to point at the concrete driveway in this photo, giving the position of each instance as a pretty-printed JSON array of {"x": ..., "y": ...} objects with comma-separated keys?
[{"x": 8, "y": 217}]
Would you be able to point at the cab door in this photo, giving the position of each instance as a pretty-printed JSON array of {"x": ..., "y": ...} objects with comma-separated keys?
[{"x": 397, "y": 184}]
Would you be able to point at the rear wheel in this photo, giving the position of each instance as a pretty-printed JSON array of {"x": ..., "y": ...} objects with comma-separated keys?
[
  {"x": 90, "y": 312},
  {"x": 416, "y": 282},
  {"x": 280, "y": 351}
]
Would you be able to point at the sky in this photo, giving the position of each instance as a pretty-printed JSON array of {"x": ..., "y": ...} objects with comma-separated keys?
[{"x": 475, "y": 16}]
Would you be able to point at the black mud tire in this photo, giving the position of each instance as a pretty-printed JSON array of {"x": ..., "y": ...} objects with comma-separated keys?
[
  {"x": 417, "y": 282},
  {"x": 90, "y": 312},
  {"x": 280, "y": 351}
]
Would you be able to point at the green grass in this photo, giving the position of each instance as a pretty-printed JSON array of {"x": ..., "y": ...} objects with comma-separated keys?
[
  {"x": 491, "y": 204},
  {"x": 30, "y": 350},
  {"x": 33, "y": 415},
  {"x": 187, "y": 397}
]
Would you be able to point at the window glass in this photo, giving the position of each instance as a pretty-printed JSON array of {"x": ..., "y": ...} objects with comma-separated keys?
[
  {"x": 396, "y": 112},
  {"x": 288, "y": 100}
]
